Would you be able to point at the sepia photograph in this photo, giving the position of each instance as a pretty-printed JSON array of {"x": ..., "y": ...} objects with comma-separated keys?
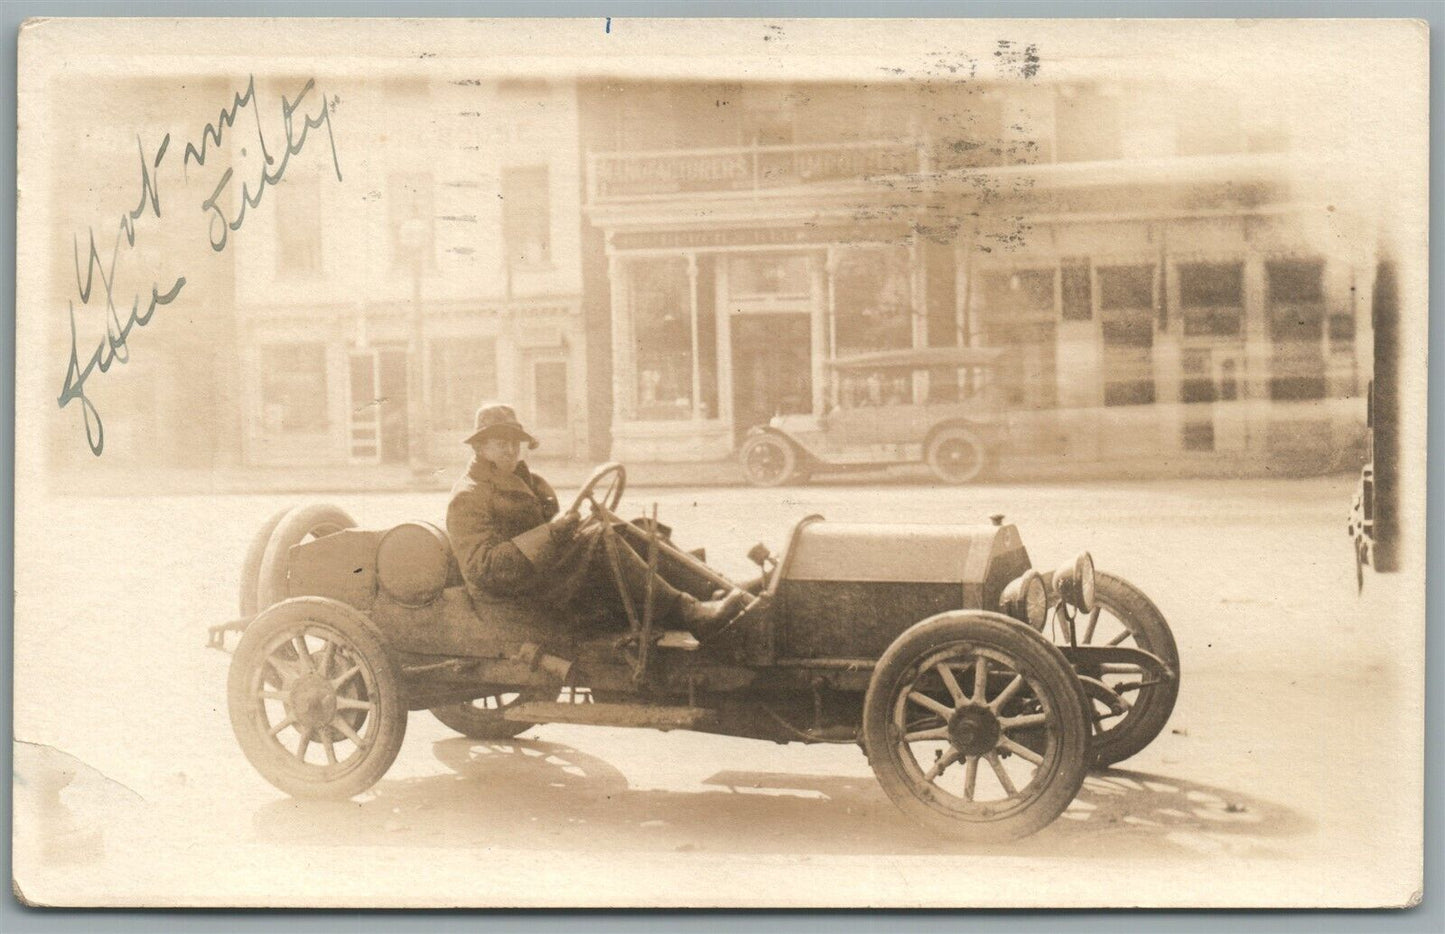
[{"x": 742, "y": 463}]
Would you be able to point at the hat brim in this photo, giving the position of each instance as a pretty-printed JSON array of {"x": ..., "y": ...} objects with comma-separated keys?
[{"x": 502, "y": 430}]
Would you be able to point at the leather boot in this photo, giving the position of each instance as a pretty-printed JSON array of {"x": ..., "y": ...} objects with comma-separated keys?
[{"x": 704, "y": 618}]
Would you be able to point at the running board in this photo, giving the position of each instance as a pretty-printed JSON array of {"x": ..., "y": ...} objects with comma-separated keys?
[{"x": 645, "y": 716}]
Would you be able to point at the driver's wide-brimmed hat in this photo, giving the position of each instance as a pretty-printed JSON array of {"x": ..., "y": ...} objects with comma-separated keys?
[{"x": 499, "y": 420}]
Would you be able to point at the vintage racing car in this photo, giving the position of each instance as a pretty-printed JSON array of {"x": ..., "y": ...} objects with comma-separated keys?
[{"x": 980, "y": 689}]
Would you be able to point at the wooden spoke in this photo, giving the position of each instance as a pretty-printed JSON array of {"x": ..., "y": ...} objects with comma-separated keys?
[
  {"x": 949, "y": 757},
  {"x": 347, "y": 731},
  {"x": 303, "y": 744},
  {"x": 950, "y": 682},
  {"x": 1007, "y": 693},
  {"x": 282, "y": 725},
  {"x": 921, "y": 735},
  {"x": 303, "y": 652},
  {"x": 923, "y": 700},
  {"x": 287, "y": 672},
  {"x": 1003, "y": 779},
  {"x": 328, "y": 656},
  {"x": 970, "y": 776},
  {"x": 980, "y": 680},
  {"x": 1033, "y": 719},
  {"x": 264, "y": 694},
  {"x": 329, "y": 747},
  {"x": 346, "y": 676},
  {"x": 1089, "y": 628},
  {"x": 1120, "y": 637},
  {"x": 351, "y": 703},
  {"x": 1023, "y": 752}
]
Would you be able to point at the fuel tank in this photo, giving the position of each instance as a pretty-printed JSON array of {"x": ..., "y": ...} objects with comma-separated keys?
[{"x": 850, "y": 589}]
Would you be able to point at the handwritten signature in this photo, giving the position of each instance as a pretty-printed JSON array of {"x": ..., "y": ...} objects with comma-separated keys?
[{"x": 113, "y": 348}]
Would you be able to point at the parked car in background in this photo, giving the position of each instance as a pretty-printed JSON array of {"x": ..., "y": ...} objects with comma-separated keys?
[{"x": 939, "y": 405}]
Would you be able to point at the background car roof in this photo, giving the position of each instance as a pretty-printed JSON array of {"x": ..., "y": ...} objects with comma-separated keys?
[{"x": 914, "y": 357}]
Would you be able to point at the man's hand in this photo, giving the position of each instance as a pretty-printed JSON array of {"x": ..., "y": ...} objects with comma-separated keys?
[{"x": 564, "y": 526}]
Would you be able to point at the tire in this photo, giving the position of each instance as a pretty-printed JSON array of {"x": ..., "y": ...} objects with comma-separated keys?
[
  {"x": 1046, "y": 699},
  {"x": 345, "y": 697},
  {"x": 313, "y": 520},
  {"x": 956, "y": 455},
  {"x": 1151, "y": 706},
  {"x": 769, "y": 460},
  {"x": 251, "y": 566},
  {"x": 482, "y": 718}
]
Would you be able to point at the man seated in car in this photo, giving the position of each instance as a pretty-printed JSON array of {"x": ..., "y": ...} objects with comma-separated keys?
[{"x": 511, "y": 539}]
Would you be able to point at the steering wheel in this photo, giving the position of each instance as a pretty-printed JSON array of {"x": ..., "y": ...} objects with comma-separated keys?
[{"x": 615, "y": 476}]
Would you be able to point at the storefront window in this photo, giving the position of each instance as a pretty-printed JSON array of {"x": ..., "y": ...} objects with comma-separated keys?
[
  {"x": 463, "y": 376},
  {"x": 1212, "y": 295},
  {"x": 1126, "y": 304},
  {"x": 1296, "y": 324},
  {"x": 872, "y": 301},
  {"x": 662, "y": 337},
  {"x": 293, "y": 387}
]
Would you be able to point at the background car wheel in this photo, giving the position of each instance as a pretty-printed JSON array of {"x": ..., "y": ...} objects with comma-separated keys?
[
  {"x": 939, "y": 721},
  {"x": 251, "y": 566},
  {"x": 955, "y": 455},
  {"x": 298, "y": 525},
  {"x": 1125, "y": 616},
  {"x": 768, "y": 460},
  {"x": 314, "y": 699},
  {"x": 481, "y": 718}
]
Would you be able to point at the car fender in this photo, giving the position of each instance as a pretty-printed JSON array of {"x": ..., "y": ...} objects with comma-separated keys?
[{"x": 807, "y": 453}]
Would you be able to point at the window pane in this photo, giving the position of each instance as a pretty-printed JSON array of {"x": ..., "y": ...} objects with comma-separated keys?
[
  {"x": 463, "y": 376},
  {"x": 1203, "y": 285},
  {"x": 1213, "y": 298},
  {"x": 662, "y": 329},
  {"x": 1295, "y": 281},
  {"x": 872, "y": 299},
  {"x": 293, "y": 387},
  {"x": 527, "y": 216},
  {"x": 1077, "y": 289},
  {"x": 1126, "y": 286},
  {"x": 1023, "y": 290},
  {"x": 549, "y": 381}
]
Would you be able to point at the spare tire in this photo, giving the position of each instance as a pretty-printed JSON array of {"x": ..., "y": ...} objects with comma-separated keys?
[
  {"x": 313, "y": 520},
  {"x": 251, "y": 566}
]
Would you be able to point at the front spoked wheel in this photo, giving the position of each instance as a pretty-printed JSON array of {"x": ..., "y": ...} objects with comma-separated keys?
[
  {"x": 947, "y": 708},
  {"x": 314, "y": 699},
  {"x": 1127, "y": 707}
]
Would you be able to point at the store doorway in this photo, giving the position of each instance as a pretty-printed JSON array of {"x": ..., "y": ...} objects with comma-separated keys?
[
  {"x": 772, "y": 367},
  {"x": 378, "y": 429}
]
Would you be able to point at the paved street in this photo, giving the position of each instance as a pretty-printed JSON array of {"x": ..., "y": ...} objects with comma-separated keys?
[{"x": 1282, "y": 777}]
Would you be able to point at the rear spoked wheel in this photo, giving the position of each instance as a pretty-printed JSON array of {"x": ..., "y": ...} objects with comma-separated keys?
[
  {"x": 976, "y": 728},
  {"x": 485, "y": 717}
]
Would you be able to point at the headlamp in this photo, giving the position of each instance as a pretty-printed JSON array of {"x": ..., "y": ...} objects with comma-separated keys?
[
  {"x": 1074, "y": 583},
  {"x": 1026, "y": 599}
]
